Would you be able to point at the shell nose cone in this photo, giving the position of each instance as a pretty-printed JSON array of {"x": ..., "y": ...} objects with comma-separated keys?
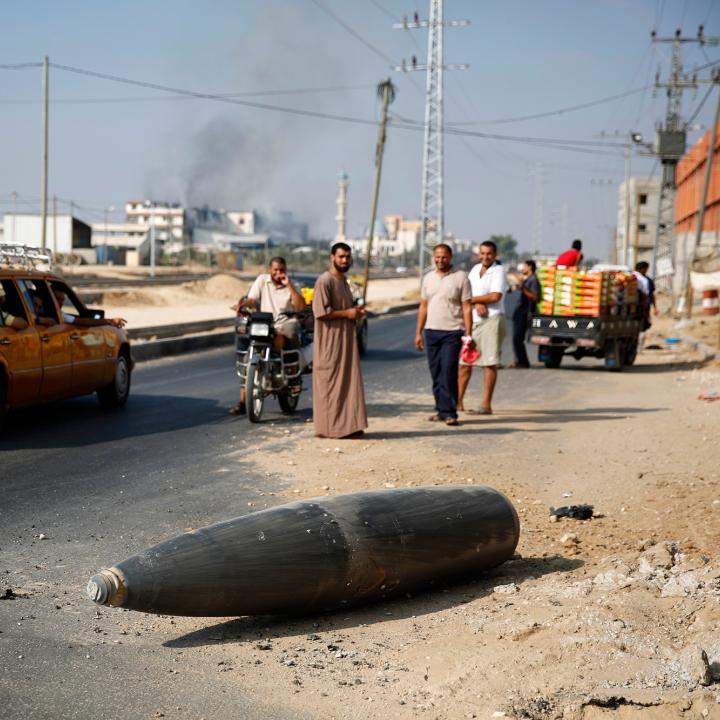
[{"x": 106, "y": 588}]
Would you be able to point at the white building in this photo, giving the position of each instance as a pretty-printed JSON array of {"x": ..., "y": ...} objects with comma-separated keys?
[
  {"x": 639, "y": 222},
  {"x": 64, "y": 234},
  {"x": 130, "y": 242},
  {"x": 245, "y": 221},
  {"x": 167, "y": 218}
]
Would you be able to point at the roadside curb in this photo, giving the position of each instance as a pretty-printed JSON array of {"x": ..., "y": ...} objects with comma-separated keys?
[
  {"x": 184, "y": 338},
  {"x": 154, "y": 349}
]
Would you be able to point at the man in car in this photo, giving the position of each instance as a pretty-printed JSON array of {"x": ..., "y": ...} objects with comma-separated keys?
[
  {"x": 8, "y": 320},
  {"x": 71, "y": 319},
  {"x": 275, "y": 293}
]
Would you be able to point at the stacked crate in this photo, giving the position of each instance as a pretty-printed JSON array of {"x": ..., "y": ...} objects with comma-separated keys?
[{"x": 568, "y": 291}]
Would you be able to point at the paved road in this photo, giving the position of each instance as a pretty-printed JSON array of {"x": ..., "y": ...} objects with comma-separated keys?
[{"x": 101, "y": 486}]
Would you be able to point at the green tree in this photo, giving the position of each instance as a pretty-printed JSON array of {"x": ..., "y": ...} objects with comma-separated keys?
[{"x": 506, "y": 247}]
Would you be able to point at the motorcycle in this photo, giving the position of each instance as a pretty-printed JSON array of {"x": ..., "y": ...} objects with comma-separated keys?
[{"x": 265, "y": 363}]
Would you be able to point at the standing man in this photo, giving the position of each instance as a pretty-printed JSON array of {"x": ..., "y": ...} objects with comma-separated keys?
[
  {"x": 275, "y": 293},
  {"x": 529, "y": 293},
  {"x": 444, "y": 314},
  {"x": 338, "y": 394},
  {"x": 572, "y": 257},
  {"x": 488, "y": 285},
  {"x": 646, "y": 290}
]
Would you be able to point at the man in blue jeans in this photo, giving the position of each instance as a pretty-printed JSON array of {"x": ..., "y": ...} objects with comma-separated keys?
[{"x": 444, "y": 315}]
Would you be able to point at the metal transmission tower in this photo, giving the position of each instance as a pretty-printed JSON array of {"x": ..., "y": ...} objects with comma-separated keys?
[
  {"x": 670, "y": 145},
  {"x": 432, "y": 210},
  {"x": 538, "y": 208}
]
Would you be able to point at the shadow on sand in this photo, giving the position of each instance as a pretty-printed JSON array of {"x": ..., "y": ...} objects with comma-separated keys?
[{"x": 252, "y": 629}]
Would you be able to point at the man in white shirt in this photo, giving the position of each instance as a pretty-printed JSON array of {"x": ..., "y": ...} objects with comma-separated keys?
[{"x": 488, "y": 285}]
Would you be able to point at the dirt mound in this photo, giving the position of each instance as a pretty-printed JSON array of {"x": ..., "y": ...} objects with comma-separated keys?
[
  {"x": 220, "y": 287},
  {"x": 135, "y": 297}
]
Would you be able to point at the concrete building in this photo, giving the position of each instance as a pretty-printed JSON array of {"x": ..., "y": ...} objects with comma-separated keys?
[
  {"x": 64, "y": 234},
  {"x": 244, "y": 221},
  {"x": 167, "y": 218},
  {"x": 122, "y": 243},
  {"x": 636, "y": 220}
]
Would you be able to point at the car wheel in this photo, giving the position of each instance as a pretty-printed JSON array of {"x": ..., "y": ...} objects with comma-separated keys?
[{"x": 115, "y": 394}]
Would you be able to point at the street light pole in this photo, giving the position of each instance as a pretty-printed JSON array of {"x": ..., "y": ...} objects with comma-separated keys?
[{"x": 44, "y": 181}]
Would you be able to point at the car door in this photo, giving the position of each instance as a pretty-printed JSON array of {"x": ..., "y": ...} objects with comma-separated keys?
[
  {"x": 54, "y": 342},
  {"x": 20, "y": 352},
  {"x": 89, "y": 345}
]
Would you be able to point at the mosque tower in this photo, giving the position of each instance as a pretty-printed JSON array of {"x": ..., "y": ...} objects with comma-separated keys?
[{"x": 341, "y": 202}]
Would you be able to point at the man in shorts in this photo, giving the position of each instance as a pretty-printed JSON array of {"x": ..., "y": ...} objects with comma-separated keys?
[{"x": 488, "y": 286}]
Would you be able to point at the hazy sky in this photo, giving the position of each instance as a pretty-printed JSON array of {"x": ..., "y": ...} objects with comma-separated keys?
[{"x": 111, "y": 142}]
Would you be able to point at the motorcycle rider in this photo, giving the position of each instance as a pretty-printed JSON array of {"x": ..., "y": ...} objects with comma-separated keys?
[{"x": 275, "y": 293}]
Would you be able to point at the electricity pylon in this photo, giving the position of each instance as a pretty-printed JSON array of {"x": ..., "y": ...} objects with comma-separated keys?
[{"x": 432, "y": 211}]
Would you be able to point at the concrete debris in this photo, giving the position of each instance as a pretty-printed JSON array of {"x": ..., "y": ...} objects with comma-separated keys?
[
  {"x": 681, "y": 585},
  {"x": 508, "y": 589},
  {"x": 569, "y": 540},
  {"x": 698, "y": 667}
]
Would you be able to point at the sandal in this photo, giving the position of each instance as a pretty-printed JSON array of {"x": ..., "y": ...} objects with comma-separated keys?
[
  {"x": 238, "y": 409},
  {"x": 451, "y": 422},
  {"x": 480, "y": 411},
  {"x": 434, "y": 418}
]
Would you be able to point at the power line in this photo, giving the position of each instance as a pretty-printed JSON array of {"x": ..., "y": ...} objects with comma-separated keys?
[
  {"x": 352, "y": 31},
  {"x": 158, "y": 98},
  {"x": 691, "y": 119},
  {"x": 21, "y": 66},
  {"x": 560, "y": 111}
]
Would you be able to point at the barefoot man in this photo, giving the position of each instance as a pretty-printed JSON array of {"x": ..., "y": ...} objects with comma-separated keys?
[{"x": 338, "y": 394}]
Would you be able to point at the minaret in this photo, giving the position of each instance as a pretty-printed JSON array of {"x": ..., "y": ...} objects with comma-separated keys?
[{"x": 341, "y": 202}]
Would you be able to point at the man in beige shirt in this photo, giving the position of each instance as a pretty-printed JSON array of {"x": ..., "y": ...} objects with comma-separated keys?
[
  {"x": 275, "y": 293},
  {"x": 445, "y": 312}
]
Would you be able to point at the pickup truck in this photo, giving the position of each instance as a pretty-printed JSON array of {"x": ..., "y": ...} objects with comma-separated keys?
[{"x": 612, "y": 337}]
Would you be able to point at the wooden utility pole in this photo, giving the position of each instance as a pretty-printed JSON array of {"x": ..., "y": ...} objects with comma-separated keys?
[
  {"x": 385, "y": 90},
  {"x": 44, "y": 181}
]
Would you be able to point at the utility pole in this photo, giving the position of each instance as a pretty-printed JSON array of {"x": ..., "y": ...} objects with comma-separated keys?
[
  {"x": 14, "y": 207},
  {"x": 539, "y": 207},
  {"x": 44, "y": 180},
  {"x": 432, "y": 208},
  {"x": 670, "y": 145},
  {"x": 54, "y": 250},
  {"x": 152, "y": 240},
  {"x": 386, "y": 90}
]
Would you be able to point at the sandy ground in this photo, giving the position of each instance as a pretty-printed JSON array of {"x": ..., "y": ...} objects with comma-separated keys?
[
  {"x": 211, "y": 299},
  {"x": 613, "y": 617}
]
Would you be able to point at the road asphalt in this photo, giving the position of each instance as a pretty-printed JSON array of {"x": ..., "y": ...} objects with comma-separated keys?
[{"x": 81, "y": 488}]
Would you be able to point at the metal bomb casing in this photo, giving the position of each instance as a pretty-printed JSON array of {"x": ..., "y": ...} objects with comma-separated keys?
[{"x": 319, "y": 554}]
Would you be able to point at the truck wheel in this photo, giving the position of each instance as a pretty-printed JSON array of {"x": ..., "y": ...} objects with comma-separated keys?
[
  {"x": 288, "y": 402},
  {"x": 615, "y": 352},
  {"x": 254, "y": 399},
  {"x": 554, "y": 358},
  {"x": 362, "y": 336},
  {"x": 115, "y": 394},
  {"x": 631, "y": 352}
]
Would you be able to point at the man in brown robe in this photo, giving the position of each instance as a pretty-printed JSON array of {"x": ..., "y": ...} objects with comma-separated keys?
[{"x": 338, "y": 395}]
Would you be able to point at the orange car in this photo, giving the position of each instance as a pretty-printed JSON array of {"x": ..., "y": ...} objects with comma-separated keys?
[{"x": 52, "y": 347}]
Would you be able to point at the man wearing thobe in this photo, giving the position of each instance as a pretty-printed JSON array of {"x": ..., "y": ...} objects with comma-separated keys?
[{"x": 338, "y": 394}]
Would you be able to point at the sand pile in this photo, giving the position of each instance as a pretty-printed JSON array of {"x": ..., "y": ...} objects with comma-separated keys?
[{"x": 219, "y": 287}]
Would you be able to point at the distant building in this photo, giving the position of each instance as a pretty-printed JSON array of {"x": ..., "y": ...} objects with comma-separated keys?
[
  {"x": 643, "y": 196},
  {"x": 73, "y": 235},
  {"x": 129, "y": 242},
  {"x": 168, "y": 219},
  {"x": 244, "y": 221}
]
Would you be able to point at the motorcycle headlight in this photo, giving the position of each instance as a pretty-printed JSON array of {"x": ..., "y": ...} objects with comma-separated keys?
[{"x": 259, "y": 329}]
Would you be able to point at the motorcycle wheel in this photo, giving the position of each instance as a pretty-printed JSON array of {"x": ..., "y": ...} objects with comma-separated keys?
[
  {"x": 288, "y": 403},
  {"x": 253, "y": 393}
]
